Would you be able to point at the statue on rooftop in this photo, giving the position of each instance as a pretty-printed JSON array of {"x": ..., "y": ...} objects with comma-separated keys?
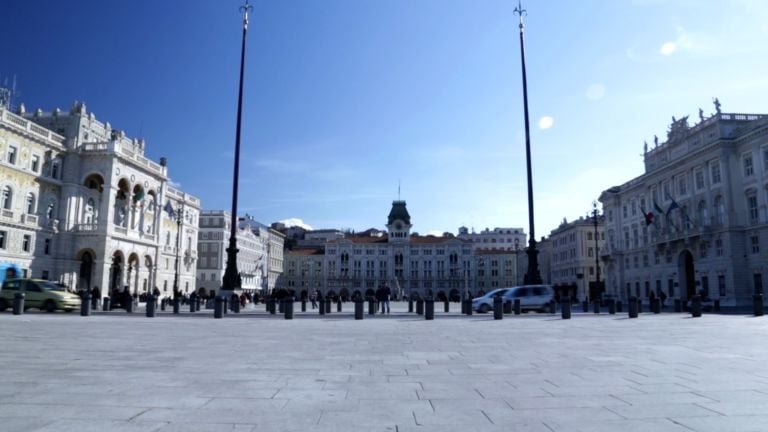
[
  {"x": 645, "y": 146},
  {"x": 701, "y": 114},
  {"x": 716, "y": 101},
  {"x": 656, "y": 140}
]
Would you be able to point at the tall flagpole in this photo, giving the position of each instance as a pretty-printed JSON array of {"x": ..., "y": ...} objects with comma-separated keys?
[
  {"x": 232, "y": 280},
  {"x": 532, "y": 276}
]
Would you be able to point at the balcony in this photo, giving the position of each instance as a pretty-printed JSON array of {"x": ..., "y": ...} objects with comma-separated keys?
[
  {"x": 6, "y": 214},
  {"x": 687, "y": 234},
  {"x": 29, "y": 219},
  {"x": 85, "y": 228}
]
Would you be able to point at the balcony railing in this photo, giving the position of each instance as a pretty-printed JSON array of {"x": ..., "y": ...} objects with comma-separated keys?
[{"x": 29, "y": 219}]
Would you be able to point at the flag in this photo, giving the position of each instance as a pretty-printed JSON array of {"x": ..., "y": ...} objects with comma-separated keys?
[
  {"x": 169, "y": 209},
  {"x": 672, "y": 206},
  {"x": 648, "y": 216},
  {"x": 138, "y": 196},
  {"x": 657, "y": 207}
]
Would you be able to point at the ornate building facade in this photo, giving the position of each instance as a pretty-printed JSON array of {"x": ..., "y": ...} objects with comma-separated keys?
[
  {"x": 696, "y": 220},
  {"x": 574, "y": 256},
  {"x": 82, "y": 205}
]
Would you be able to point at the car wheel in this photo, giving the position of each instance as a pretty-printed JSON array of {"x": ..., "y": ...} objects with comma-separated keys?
[
  {"x": 70, "y": 310},
  {"x": 484, "y": 308},
  {"x": 3, "y": 305},
  {"x": 49, "y": 306}
]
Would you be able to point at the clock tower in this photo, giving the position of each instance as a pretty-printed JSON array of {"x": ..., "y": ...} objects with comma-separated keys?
[{"x": 399, "y": 223}]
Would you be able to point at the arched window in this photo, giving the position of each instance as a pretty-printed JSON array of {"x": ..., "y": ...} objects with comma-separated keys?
[
  {"x": 30, "y": 203},
  {"x": 7, "y": 198},
  {"x": 703, "y": 214},
  {"x": 719, "y": 210}
]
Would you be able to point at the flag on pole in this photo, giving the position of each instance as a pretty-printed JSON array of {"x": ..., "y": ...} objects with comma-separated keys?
[
  {"x": 672, "y": 206},
  {"x": 648, "y": 216},
  {"x": 657, "y": 207},
  {"x": 169, "y": 209}
]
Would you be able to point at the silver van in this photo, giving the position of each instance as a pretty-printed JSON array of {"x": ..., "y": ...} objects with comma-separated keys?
[{"x": 532, "y": 297}]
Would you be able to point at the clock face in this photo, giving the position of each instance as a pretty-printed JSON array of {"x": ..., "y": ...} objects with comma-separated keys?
[{"x": 398, "y": 225}]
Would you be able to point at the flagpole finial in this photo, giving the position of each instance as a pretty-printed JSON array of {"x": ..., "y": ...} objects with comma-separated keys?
[
  {"x": 246, "y": 8},
  {"x": 520, "y": 12}
]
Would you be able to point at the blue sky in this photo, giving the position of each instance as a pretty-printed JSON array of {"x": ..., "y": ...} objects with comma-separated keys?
[{"x": 347, "y": 98}]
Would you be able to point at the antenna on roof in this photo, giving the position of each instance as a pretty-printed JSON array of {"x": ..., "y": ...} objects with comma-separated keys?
[{"x": 7, "y": 94}]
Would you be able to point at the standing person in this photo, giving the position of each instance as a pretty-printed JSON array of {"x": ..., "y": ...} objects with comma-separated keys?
[
  {"x": 387, "y": 295},
  {"x": 313, "y": 298}
]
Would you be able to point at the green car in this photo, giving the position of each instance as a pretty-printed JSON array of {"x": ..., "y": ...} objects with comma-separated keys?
[{"x": 41, "y": 294}]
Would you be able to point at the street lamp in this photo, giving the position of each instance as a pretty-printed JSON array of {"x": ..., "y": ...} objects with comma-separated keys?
[
  {"x": 176, "y": 294},
  {"x": 232, "y": 280},
  {"x": 532, "y": 276},
  {"x": 595, "y": 214}
]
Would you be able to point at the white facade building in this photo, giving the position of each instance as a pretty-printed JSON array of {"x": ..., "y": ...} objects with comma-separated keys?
[
  {"x": 509, "y": 239},
  {"x": 575, "y": 255},
  {"x": 705, "y": 194},
  {"x": 82, "y": 205}
]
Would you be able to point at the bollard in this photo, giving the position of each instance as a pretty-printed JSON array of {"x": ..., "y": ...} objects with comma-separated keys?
[
  {"x": 447, "y": 307},
  {"x": 497, "y": 308},
  {"x": 410, "y": 305},
  {"x": 420, "y": 307},
  {"x": 463, "y": 307},
  {"x": 105, "y": 304},
  {"x": 656, "y": 305},
  {"x": 338, "y": 305},
  {"x": 129, "y": 306},
  {"x": 162, "y": 305},
  {"x": 596, "y": 306},
  {"x": 150, "y": 310},
  {"x": 469, "y": 306},
  {"x": 288, "y": 308},
  {"x": 235, "y": 304},
  {"x": 429, "y": 309},
  {"x": 18, "y": 303},
  {"x": 359, "y": 309},
  {"x": 85, "y": 304},
  {"x": 584, "y": 306},
  {"x": 272, "y": 306},
  {"x": 95, "y": 303},
  {"x": 176, "y": 305},
  {"x": 518, "y": 307},
  {"x": 565, "y": 308},
  {"x": 757, "y": 304},
  {"x": 320, "y": 307},
  {"x": 191, "y": 305},
  {"x": 218, "y": 307},
  {"x": 619, "y": 306},
  {"x": 632, "y": 307},
  {"x": 678, "y": 305},
  {"x": 696, "y": 306},
  {"x": 507, "y": 307},
  {"x": 303, "y": 305},
  {"x": 328, "y": 305},
  {"x": 612, "y": 307}
]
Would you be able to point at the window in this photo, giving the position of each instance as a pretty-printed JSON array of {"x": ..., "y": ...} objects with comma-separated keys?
[
  {"x": 719, "y": 210},
  {"x": 55, "y": 168},
  {"x": 682, "y": 186},
  {"x": 11, "y": 159},
  {"x": 719, "y": 247},
  {"x": 645, "y": 260},
  {"x": 752, "y": 205},
  {"x": 213, "y": 277},
  {"x": 35, "y": 165},
  {"x": 26, "y": 243},
  {"x": 47, "y": 248},
  {"x": 754, "y": 242},
  {"x": 589, "y": 235},
  {"x": 7, "y": 198},
  {"x": 3, "y": 236},
  {"x": 699, "y": 176},
  {"x": 703, "y": 216},
  {"x": 30, "y": 203},
  {"x": 749, "y": 168},
  {"x": 715, "y": 172}
]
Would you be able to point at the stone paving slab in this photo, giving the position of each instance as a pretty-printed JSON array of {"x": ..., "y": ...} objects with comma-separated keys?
[{"x": 395, "y": 373}]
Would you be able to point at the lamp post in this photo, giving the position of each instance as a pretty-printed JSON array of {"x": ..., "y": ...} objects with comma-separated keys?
[
  {"x": 176, "y": 294},
  {"x": 598, "y": 291},
  {"x": 232, "y": 280},
  {"x": 532, "y": 276}
]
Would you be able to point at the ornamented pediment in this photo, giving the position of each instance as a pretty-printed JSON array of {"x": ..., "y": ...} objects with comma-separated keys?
[{"x": 678, "y": 129}]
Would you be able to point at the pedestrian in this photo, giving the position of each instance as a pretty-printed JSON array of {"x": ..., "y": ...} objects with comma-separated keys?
[
  {"x": 387, "y": 295},
  {"x": 313, "y": 298}
]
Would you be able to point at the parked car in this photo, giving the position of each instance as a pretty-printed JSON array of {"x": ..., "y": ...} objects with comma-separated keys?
[
  {"x": 39, "y": 294},
  {"x": 532, "y": 297}
]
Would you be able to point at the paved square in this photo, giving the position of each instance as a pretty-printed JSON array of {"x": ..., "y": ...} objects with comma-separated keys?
[{"x": 400, "y": 373}]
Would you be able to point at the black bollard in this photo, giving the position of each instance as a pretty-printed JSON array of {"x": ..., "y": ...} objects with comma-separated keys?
[
  {"x": 565, "y": 308},
  {"x": 507, "y": 307},
  {"x": 218, "y": 307},
  {"x": 447, "y": 307},
  {"x": 410, "y": 305},
  {"x": 632, "y": 307},
  {"x": 498, "y": 311},
  {"x": 272, "y": 306},
  {"x": 463, "y": 307},
  {"x": 359, "y": 309},
  {"x": 429, "y": 309},
  {"x": 371, "y": 307},
  {"x": 338, "y": 305},
  {"x": 18, "y": 303},
  {"x": 678, "y": 305},
  {"x": 612, "y": 307},
  {"x": 518, "y": 307},
  {"x": 716, "y": 306},
  {"x": 162, "y": 304},
  {"x": 328, "y": 305},
  {"x": 585, "y": 306},
  {"x": 129, "y": 305},
  {"x": 303, "y": 305},
  {"x": 619, "y": 306},
  {"x": 85, "y": 304},
  {"x": 191, "y": 305},
  {"x": 321, "y": 307},
  {"x": 176, "y": 305},
  {"x": 105, "y": 304},
  {"x": 288, "y": 308},
  {"x": 469, "y": 306},
  {"x": 757, "y": 305},
  {"x": 150, "y": 310},
  {"x": 696, "y": 306},
  {"x": 235, "y": 304},
  {"x": 596, "y": 306},
  {"x": 420, "y": 307},
  {"x": 656, "y": 305}
]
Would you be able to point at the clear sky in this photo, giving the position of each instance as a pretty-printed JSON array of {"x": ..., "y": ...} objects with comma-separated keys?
[{"x": 346, "y": 99}]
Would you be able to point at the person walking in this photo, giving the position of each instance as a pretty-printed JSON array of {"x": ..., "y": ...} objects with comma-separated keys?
[
  {"x": 313, "y": 299},
  {"x": 387, "y": 295}
]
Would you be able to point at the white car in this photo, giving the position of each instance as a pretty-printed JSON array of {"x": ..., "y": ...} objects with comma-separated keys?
[{"x": 532, "y": 297}]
